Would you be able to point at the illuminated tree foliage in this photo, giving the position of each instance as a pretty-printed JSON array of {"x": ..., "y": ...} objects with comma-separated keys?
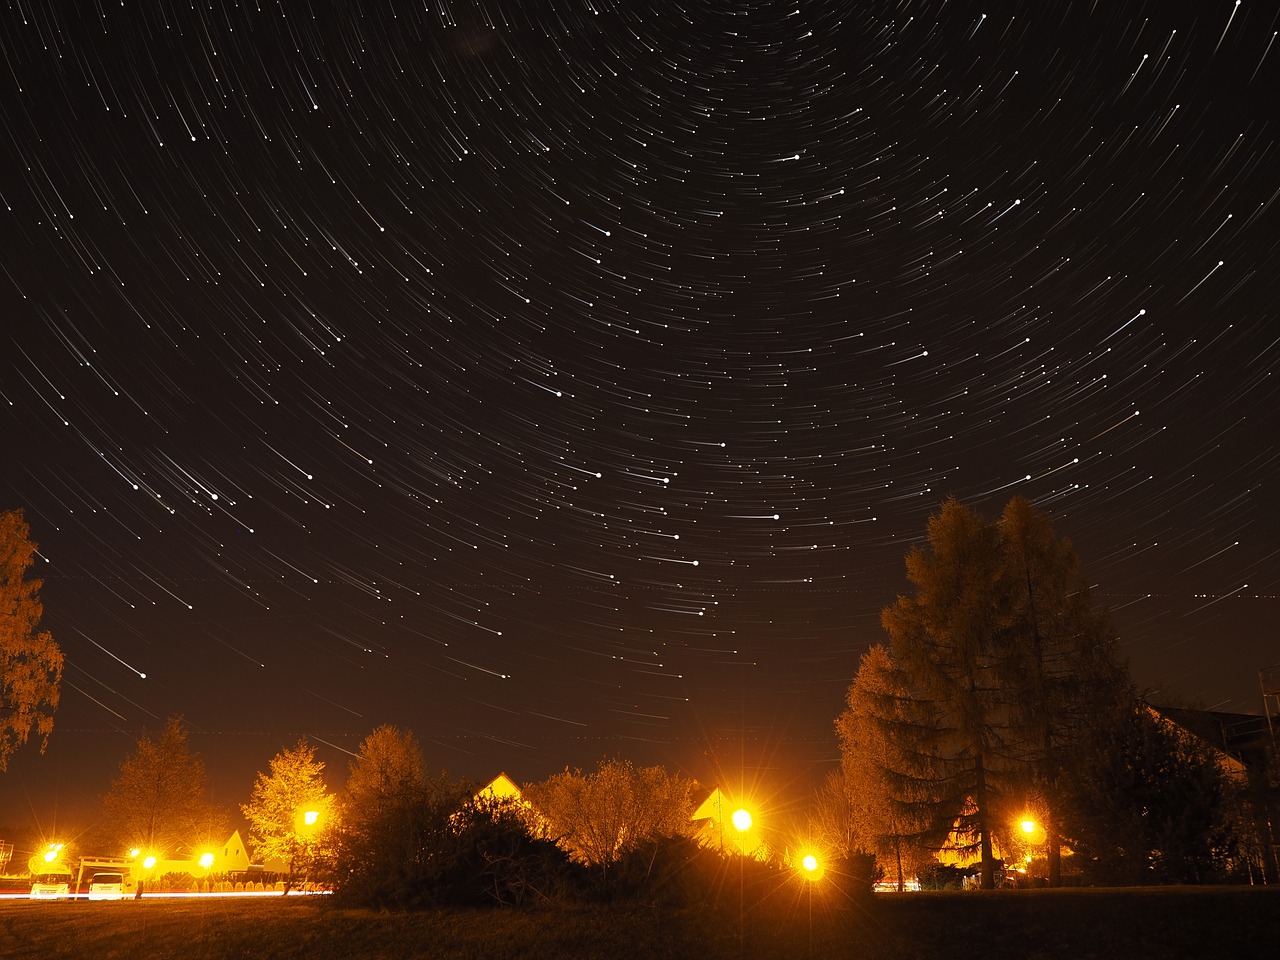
[
  {"x": 1058, "y": 658},
  {"x": 388, "y": 810},
  {"x": 945, "y": 641},
  {"x": 889, "y": 772},
  {"x": 30, "y": 661},
  {"x": 598, "y": 817},
  {"x": 159, "y": 802},
  {"x": 290, "y": 812},
  {"x": 1000, "y": 640},
  {"x": 409, "y": 842},
  {"x": 388, "y": 765}
]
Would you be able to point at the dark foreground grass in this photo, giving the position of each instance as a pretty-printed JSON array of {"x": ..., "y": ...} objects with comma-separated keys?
[{"x": 1167, "y": 923}]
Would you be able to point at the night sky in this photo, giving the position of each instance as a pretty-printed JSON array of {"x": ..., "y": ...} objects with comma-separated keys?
[{"x": 569, "y": 379}]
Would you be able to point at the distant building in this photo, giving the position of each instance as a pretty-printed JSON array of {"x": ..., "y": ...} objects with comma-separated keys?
[
  {"x": 233, "y": 857},
  {"x": 719, "y": 823},
  {"x": 500, "y": 787}
]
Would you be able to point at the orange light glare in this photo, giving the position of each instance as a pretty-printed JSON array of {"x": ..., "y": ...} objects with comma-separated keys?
[{"x": 741, "y": 820}]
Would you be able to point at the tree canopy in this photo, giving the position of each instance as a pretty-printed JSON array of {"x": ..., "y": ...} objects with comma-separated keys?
[
  {"x": 290, "y": 811},
  {"x": 388, "y": 764},
  {"x": 159, "y": 802},
  {"x": 889, "y": 770},
  {"x": 1000, "y": 641},
  {"x": 30, "y": 660},
  {"x": 600, "y": 816}
]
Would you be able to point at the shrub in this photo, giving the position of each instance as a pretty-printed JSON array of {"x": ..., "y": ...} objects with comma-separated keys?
[
  {"x": 666, "y": 871},
  {"x": 435, "y": 845}
]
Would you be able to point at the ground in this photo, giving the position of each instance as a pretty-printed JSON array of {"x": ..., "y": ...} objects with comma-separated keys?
[{"x": 1169, "y": 923}]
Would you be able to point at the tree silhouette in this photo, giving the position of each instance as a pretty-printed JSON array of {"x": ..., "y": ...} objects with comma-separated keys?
[
  {"x": 159, "y": 802},
  {"x": 1001, "y": 642}
]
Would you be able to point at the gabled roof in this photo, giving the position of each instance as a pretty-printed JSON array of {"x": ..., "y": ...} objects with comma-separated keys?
[
  {"x": 1233, "y": 732},
  {"x": 714, "y": 806},
  {"x": 1231, "y": 737},
  {"x": 500, "y": 787}
]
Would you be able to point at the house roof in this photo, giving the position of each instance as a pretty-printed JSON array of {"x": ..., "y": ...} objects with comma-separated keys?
[
  {"x": 1242, "y": 737},
  {"x": 501, "y": 787},
  {"x": 1233, "y": 732}
]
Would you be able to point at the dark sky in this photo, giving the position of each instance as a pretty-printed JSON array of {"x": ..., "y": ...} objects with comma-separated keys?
[{"x": 569, "y": 379}]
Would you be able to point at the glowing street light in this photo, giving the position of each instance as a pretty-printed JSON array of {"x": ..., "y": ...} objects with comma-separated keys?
[
  {"x": 1033, "y": 832},
  {"x": 741, "y": 820},
  {"x": 206, "y": 860}
]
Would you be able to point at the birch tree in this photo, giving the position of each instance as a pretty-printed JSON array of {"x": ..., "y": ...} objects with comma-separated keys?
[{"x": 30, "y": 660}]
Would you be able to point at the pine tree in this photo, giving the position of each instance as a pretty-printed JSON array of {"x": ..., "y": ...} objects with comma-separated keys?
[
  {"x": 1059, "y": 661},
  {"x": 1000, "y": 640},
  {"x": 945, "y": 639},
  {"x": 388, "y": 765},
  {"x": 889, "y": 770}
]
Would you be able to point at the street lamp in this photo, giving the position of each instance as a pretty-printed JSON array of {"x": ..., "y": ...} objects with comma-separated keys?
[
  {"x": 148, "y": 864},
  {"x": 1033, "y": 835}
]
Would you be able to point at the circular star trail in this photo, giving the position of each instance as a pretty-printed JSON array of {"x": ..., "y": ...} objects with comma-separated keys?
[{"x": 570, "y": 378}]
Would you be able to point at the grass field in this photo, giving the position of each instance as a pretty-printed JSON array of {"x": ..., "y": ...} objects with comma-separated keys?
[{"x": 1166, "y": 923}]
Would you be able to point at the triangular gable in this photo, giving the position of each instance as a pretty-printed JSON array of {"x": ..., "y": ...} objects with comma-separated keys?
[
  {"x": 500, "y": 787},
  {"x": 1202, "y": 726},
  {"x": 714, "y": 808},
  {"x": 233, "y": 857}
]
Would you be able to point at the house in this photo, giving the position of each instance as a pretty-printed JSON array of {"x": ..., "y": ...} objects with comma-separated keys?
[
  {"x": 232, "y": 857},
  {"x": 725, "y": 824},
  {"x": 1237, "y": 741},
  {"x": 1244, "y": 747},
  {"x": 500, "y": 788}
]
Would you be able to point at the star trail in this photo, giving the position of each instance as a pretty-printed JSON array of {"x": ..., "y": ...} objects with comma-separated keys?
[{"x": 565, "y": 379}]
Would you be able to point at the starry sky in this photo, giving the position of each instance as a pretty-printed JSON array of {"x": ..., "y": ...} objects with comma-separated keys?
[{"x": 569, "y": 379}]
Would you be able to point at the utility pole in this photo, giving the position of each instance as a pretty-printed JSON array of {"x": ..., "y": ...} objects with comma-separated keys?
[{"x": 1269, "y": 684}]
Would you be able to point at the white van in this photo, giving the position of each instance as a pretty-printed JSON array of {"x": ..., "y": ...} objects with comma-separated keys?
[
  {"x": 106, "y": 886},
  {"x": 51, "y": 886}
]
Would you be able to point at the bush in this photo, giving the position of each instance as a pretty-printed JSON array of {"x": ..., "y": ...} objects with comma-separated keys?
[
  {"x": 941, "y": 876},
  {"x": 665, "y": 871},
  {"x": 437, "y": 846},
  {"x": 496, "y": 861}
]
